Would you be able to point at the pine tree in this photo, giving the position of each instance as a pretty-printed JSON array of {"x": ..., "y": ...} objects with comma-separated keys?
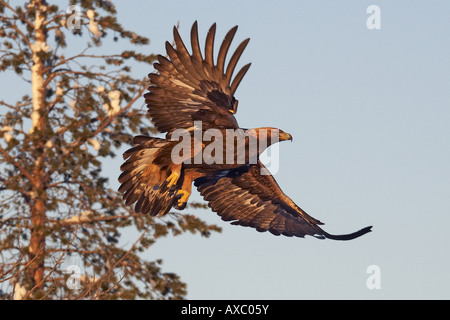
[{"x": 81, "y": 104}]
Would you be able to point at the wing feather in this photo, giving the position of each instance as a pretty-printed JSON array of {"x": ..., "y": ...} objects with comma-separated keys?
[
  {"x": 224, "y": 48},
  {"x": 188, "y": 87},
  {"x": 209, "y": 45},
  {"x": 196, "y": 51},
  {"x": 247, "y": 198},
  {"x": 237, "y": 80},
  {"x": 234, "y": 60}
]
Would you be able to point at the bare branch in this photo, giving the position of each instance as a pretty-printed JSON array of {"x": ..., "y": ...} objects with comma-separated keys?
[
  {"x": 82, "y": 295},
  {"x": 57, "y": 263},
  {"x": 15, "y": 12},
  {"x": 24, "y": 37},
  {"x": 24, "y": 267},
  {"x": 17, "y": 165}
]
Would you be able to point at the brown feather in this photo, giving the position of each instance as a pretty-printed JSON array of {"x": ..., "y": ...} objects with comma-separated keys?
[
  {"x": 143, "y": 180},
  {"x": 182, "y": 88},
  {"x": 234, "y": 60},
  {"x": 209, "y": 45},
  {"x": 196, "y": 52},
  {"x": 248, "y": 198},
  {"x": 237, "y": 80},
  {"x": 224, "y": 48}
]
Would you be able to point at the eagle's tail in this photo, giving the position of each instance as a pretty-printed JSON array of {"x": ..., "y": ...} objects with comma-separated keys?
[{"x": 150, "y": 178}]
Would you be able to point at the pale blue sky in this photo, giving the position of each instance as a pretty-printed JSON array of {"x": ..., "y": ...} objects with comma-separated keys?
[
  {"x": 369, "y": 111},
  {"x": 370, "y": 114}
]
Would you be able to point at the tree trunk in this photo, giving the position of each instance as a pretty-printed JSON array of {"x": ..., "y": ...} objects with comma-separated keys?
[
  {"x": 36, "y": 249},
  {"x": 37, "y": 71}
]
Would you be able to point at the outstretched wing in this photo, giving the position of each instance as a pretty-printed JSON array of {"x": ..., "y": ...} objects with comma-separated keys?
[
  {"x": 247, "y": 197},
  {"x": 189, "y": 87}
]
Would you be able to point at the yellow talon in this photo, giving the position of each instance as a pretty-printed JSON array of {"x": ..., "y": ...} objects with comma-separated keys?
[
  {"x": 185, "y": 196},
  {"x": 173, "y": 178}
]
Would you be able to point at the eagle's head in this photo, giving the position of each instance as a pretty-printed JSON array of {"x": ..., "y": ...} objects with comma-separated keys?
[{"x": 272, "y": 135}]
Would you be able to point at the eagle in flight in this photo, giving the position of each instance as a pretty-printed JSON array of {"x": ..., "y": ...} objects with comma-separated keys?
[{"x": 188, "y": 89}]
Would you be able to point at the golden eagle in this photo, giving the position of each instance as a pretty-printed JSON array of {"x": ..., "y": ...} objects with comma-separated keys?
[{"x": 187, "y": 89}]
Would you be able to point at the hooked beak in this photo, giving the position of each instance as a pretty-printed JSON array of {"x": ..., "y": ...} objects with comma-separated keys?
[{"x": 285, "y": 136}]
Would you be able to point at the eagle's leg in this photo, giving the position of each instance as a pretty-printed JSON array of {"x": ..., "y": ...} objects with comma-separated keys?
[
  {"x": 186, "y": 188},
  {"x": 182, "y": 201},
  {"x": 184, "y": 192},
  {"x": 172, "y": 179}
]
